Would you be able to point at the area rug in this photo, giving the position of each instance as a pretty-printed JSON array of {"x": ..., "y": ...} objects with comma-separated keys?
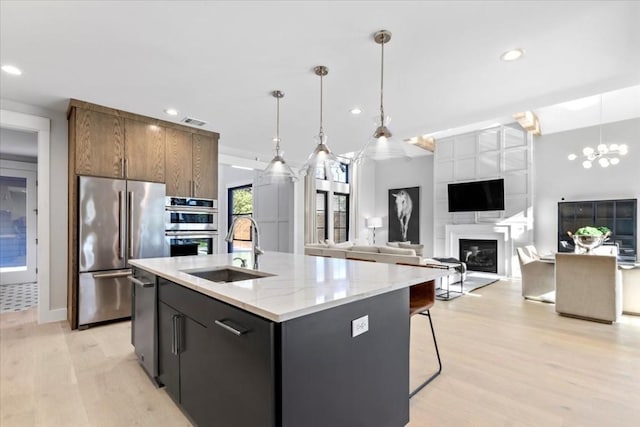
[
  {"x": 474, "y": 280},
  {"x": 18, "y": 297}
]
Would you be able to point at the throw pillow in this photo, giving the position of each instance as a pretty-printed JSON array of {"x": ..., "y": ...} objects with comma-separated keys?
[
  {"x": 415, "y": 247},
  {"x": 371, "y": 249},
  {"x": 397, "y": 251},
  {"x": 316, "y": 245},
  {"x": 343, "y": 245},
  {"x": 393, "y": 244}
]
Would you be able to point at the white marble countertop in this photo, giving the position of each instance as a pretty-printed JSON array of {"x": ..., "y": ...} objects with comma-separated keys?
[{"x": 300, "y": 284}]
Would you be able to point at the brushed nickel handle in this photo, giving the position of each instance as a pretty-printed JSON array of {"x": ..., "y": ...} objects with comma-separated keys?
[
  {"x": 129, "y": 227},
  {"x": 112, "y": 275},
  {"x": 120, "y": 225},
  {"x": 229, "y": 328},
  {"x": 141, "y": 283},
  {"x": 174, "y": 340}
]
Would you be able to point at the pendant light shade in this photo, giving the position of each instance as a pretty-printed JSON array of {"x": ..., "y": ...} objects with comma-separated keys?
[
  {"x": 322, "y": 156},
  {"x": 381, "y": 145},
  {"x": 277, "y": 170}
]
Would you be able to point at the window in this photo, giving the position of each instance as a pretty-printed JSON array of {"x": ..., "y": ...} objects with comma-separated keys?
[
  {"x": 240, "y": 204},
  {"x": 321, "y": 215},
  {"x": 340, "y": 207},
  {"x": 340, "y": 173}
]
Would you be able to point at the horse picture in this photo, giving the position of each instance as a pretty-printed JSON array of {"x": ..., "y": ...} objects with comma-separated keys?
[{"x": 404, "y": 215}]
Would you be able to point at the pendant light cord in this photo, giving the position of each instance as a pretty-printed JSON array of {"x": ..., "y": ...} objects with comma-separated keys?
[
  {"x": 321, "y": 130},
  {"x": 382, "y": 85},
  {"x": 278, "y": 126}
]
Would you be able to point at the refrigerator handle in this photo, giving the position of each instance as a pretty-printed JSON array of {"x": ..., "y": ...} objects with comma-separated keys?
[
  {"x": 129, "y": 227},
  {"x": 120, "y": 225}
]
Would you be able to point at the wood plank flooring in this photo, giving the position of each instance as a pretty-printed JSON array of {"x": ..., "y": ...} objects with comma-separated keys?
[{"x": 507, "y": 362}]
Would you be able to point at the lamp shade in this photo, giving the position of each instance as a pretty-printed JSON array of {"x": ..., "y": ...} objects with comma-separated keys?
[{"x": 373, "y": 222}]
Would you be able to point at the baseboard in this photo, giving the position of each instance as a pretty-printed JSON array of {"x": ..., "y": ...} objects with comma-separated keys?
[{"x": 48, "y": 316}]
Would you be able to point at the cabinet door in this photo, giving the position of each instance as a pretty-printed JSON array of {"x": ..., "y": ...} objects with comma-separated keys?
[
  {"x": 144, "y": 151},
  {"x": 240, "y": 368},
  {"x": 168, "y": 357},
  {"x": 178, "y": 158},
  {"x": 99, "y": 144},
  {"x": 205, "y": 166}
]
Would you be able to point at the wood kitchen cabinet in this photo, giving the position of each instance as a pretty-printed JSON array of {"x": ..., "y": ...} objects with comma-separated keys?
[
  {"x": 191, "y": 165},
  {"x": 99, "y": 140},
  {"x": 144, "y": 145},
  {"x": 110, "y": 143},
  {"x": 110, "y": 146}
]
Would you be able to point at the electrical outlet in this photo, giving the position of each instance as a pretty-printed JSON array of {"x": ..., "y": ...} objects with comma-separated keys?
[{"x": 359, "y": 326}]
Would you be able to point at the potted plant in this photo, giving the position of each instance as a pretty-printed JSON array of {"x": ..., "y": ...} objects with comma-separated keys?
[{"x": 590, "y": 237}]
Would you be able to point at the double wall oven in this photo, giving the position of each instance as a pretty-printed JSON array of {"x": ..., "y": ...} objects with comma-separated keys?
[{"x": 191, "y": 226}]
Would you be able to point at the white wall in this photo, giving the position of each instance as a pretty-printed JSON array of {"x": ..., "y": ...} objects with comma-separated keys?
[
  {"x": 392, "y": 174},
  {"x": 59, "y": 198},
  {"x": 557, "y": 179}
]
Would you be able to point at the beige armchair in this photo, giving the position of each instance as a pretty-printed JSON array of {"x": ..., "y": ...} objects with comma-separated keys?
[
  {"x": 538, "y": 277},
  {"x": 588, "y": 287}
]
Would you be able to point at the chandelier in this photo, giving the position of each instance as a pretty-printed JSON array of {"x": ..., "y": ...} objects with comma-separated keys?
[{"x": 604, "y": 154}]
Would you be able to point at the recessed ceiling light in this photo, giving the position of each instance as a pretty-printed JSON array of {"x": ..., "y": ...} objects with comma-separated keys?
[
  {"x": 512, "y": 55},
  {"x": 355, "y": 111},
  {"x": 11, "y": 70},
  {"x": 171, "y": 111}
]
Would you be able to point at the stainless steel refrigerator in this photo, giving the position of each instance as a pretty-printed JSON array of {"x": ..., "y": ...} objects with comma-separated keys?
[{"x": 118, "y": 220}]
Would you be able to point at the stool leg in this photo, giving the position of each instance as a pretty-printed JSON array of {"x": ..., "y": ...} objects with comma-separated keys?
[{"x": 435, "y": 343}]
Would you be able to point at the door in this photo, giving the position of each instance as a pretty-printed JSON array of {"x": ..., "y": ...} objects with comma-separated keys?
[
  {"x": 101, "y": 224},
  {"x": 18, "y": 202},
  {"x": 146, "y": 220}
]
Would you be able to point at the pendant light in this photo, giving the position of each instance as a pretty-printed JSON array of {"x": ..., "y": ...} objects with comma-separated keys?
[
  {"x": 321, "y": 155},
  {"x": 381, "y": 146},
  {"x": 277, "y": 170}
]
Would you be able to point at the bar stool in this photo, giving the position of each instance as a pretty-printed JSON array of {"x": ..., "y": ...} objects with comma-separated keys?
[{"x": 421, "y": 298}]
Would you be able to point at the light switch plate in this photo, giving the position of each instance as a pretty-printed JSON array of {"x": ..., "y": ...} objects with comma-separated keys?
[{"x": 359, "y": 326}]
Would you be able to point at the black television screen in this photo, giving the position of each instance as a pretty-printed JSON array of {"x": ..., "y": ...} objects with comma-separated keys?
[{"x": 477, "y": 196}]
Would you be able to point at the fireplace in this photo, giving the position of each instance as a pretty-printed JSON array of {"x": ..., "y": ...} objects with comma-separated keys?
[{"x": 479, "y": 254}]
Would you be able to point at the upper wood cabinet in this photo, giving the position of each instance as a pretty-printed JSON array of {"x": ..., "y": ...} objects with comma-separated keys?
[
  {"x": 205, "y": 166},
  {"x": 191, "y": 165},
  {"x": 99, "y": 143},
  {"x": 144, "y": 151},
  {"x": 178, "y": 155}
]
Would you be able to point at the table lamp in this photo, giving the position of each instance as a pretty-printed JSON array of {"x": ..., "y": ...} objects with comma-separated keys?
[{"x": 373, "y": 222}]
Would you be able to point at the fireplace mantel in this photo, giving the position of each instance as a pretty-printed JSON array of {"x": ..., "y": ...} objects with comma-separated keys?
[{"x": 501, "y": 233}]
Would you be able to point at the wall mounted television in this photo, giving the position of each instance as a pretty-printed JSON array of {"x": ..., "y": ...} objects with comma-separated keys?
[{"x": 476, "y": 196}]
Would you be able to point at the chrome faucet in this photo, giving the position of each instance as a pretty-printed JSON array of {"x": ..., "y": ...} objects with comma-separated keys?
[
  {"x": 243, "y": 262},
  {"x": 255, "y": 240}
]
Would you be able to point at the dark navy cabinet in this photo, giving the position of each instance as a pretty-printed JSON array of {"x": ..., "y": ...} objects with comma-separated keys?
[
  {"x": 620, "y": 216},
  {"x": 227, "y": 367}
]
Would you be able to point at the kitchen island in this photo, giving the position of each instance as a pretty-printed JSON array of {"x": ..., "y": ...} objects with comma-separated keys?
[{"x": 310, "y": 341}]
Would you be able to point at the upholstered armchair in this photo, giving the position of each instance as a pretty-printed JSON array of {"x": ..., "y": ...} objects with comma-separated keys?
[
  {"x": 538, "y": 277},
  {"x": 588, "y": 287}
]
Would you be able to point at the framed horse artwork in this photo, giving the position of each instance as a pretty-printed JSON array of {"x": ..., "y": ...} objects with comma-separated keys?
[{"x": 404, "y": 215}]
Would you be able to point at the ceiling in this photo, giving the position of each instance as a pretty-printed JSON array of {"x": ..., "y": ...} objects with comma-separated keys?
[{"x": 218, "y": 62}]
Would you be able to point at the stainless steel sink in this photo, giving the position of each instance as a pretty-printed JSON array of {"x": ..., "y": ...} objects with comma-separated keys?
[{"x": 227, "y": 274}]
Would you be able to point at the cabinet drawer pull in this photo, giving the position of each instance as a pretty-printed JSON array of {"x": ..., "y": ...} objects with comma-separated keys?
[
  {"x": 141, "y": 283},
  {"x": 235, "y": 329}
]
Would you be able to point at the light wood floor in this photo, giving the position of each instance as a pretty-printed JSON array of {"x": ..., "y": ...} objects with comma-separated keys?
[{"x": 507, "y": 362}]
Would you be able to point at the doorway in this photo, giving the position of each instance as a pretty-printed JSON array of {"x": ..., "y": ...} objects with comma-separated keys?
[
  {"x": 18, "y": 220},
  {"x": 240, "y": 203}
]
